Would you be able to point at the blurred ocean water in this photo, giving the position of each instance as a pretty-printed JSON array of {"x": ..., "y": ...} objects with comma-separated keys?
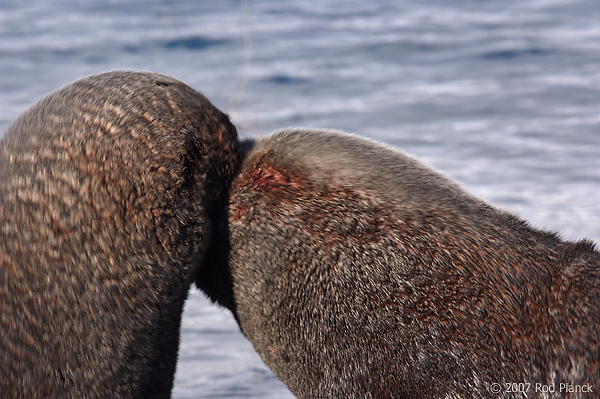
[{"x": 502, "y": 96}]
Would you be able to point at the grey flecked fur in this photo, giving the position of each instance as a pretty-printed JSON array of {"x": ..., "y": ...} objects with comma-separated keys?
[
  {"x": 107, "y": 187},
  {"x": 359, "y": 272}
]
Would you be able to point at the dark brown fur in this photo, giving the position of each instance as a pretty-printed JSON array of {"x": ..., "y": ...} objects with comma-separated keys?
[
  {"x": 107, "y": 190},
  {"x": 358, "y": 272}
]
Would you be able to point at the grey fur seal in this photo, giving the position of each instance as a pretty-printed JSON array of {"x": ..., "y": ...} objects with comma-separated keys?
[
  {"x": 107, "y": 190},
  {"x": 359, "y": 272}
]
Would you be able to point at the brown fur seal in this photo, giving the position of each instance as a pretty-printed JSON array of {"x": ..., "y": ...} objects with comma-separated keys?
[
  {"x": 359, "y": 272},
  {"x": 107, "y": 190}
]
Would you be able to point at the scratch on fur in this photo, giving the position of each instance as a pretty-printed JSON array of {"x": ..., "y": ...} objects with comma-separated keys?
[
  {"x": 172, "y": 103},
  {"x": 148, "y": 118},
  {"x": 115, "y": 109},
  {"x": 104, "y": 125}
]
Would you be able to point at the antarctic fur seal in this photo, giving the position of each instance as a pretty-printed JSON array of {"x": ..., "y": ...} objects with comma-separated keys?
[
  {"x": 359, "y": 272},
  {"x": 107, "y": 190}
]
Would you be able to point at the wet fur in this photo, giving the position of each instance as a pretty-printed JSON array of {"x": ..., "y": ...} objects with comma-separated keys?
[
  {"x": 108, "y": 187},
  {"x": 359, "y": 272}
]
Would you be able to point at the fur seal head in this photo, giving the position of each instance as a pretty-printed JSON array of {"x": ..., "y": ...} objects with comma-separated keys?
[
  {"x": 358, "y": 271},
  {"x": 107, "y": 191}
]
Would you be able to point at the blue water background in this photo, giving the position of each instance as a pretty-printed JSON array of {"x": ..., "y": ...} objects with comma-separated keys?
[{"x": 502, "y": 96}]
